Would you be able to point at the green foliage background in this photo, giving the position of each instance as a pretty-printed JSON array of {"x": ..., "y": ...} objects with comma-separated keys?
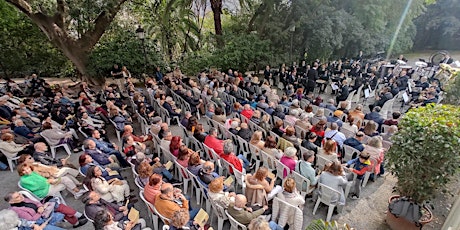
[
  {"x": 425, "y": 151},
  {"x": 259, "y": 33}
]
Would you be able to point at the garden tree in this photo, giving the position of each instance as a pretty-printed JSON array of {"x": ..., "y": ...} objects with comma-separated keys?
[
  {"x": 24, "y": 48},
  {"x": 171, "y": 24},
  {"x": 121, "y": 46},
  {"x": 241, "y": 52},
  {"x": 73, "y": 26},
  {"x": 439, "y": 27}
]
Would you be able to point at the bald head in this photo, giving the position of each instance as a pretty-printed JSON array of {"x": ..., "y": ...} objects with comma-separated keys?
[{"x": 240, "y": 201}]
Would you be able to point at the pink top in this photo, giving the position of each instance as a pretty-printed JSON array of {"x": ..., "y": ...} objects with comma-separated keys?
[{"x": 289, "y": 162}]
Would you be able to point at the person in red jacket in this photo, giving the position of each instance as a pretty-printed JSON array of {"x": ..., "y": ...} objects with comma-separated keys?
[
  {"x": 213, "y": 142},
  {"x": 247, "y": 111},
  {"x": 237, "y": 161}
]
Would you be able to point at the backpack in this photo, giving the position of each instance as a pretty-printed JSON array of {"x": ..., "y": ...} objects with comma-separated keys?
[{"x": 407, "y": 209}]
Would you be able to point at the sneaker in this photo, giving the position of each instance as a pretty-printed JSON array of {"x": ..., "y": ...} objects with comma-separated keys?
[
  {"x": 76, "y": 150},
  {"x": 354, "y": 197},
  {"x": 79, "y": 194}
]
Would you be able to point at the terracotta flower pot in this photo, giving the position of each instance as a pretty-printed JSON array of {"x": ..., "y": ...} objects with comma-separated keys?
[{"x": 399, "y": 223}]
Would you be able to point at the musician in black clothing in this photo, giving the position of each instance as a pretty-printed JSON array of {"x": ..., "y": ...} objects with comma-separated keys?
[{"x": 312, "y": 76}]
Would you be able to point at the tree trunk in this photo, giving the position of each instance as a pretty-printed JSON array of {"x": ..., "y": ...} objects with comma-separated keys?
[
  {"x": 216, "y": 6},
  {"x": 55, "y": 28}
]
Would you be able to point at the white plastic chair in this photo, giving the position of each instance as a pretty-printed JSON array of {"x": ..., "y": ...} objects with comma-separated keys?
[
  {"x": 58, "y": 194},
  {"x": 165, "y": 220},
  {"x": 348, "y": 153},
  {"x": 89, "y": 219},
  {"x": 116, "y": 130},
  {"x": 321, "y": 162},
  {"x": 239, "y": 178},
  {"x": 54, "y": 147},
  {"x": 329, "y": 197},
  {"x": 281, "y": 169},
  {"x": 183, "y": 176},
  {"x": 302, "y": 183},
  {"x": 235, "y": 225},
  {"x": 219, "y": 211},
  {"x": 387, "y": 107},
  {"x": 10, "y": 160},
  {"x": 152, "y": 214},
  {"x": 196, "y": 186}
]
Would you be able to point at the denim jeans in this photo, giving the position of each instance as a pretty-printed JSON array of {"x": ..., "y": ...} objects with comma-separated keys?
[
  {"x": 274, "y": 226},
  {"x": 246, "y": 163}
]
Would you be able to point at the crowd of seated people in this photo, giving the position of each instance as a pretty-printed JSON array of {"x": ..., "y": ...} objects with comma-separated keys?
[{"x": 244, "y": 119}]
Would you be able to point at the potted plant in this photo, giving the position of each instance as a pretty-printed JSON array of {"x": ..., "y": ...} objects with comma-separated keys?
[
  {"x": 324, "y": 225},
  {"x": 424, "y": 156}
]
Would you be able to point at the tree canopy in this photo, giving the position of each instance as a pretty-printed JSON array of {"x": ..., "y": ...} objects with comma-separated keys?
[{"x": 93, "y": 35}]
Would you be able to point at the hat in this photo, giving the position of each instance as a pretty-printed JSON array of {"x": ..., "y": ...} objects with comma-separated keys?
[
  {"x": 255, "y": 80},
  {"x": 156, "y": 119},
  {"x": 338, "y": 113},
  {"x": 4, "y": 98}
]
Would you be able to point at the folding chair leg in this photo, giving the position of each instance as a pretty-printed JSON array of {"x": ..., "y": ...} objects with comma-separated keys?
[
  {"x": 329, "y": 212},
  {"x": 67, "y": 149},
  {"x": 185, "y": 185},
  {"x": 316, "y": 205},
  {"x": 10, "y": 164},
  {"x": 220, "y": 223},
  {"x": 154, "y": 221},
  {"x": 53, "y": 152}
]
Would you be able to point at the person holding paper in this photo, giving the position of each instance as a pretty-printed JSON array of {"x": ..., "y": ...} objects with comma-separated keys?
[
  {"x": 181, "y": 220},
  {"x": 171, "y": 200},
  {"x": 104, "y": 219},
  {"x": 217, "y": 195}
]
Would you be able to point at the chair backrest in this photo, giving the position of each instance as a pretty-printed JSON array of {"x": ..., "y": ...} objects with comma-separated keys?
[
  {"x": 29, "y": 195},
  {"x": 220, "y": 211},
  {"x": 348, "y": 133},
  {"x": 349, "y": 152},
  {"x": 285, "y": 207},
  {"x": 165, "y": 220},
  {"x": 386, "y": 145},
  {"x": 182, "y": 170},
  {"x": 300, "y": 132},
  {"x": 138, "y": 183},
  {"x": 328, "y": 195},
  {"x": 235, "y": 224},
  {"x": 282, "y": 171},
  {"x": 385, "y": 128},
  {"x": 321, "y": 162},
  {"x": 243, "y": 146},
  {"x": 357, "y": 95},
  {"x": 82, "y": 133},
  {"x": 302, "y": 183},
  {"x": 387, "y": 107},
  {"x": 267, "y": 160},
  {"x": 89, "y": 219}
]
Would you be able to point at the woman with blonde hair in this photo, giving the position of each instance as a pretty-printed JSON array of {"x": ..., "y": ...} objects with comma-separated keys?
[
  {"x": 265, "y": 123},
  {"x": 329, "y": 150},
  {"x": 256, "y": 140},
  {"x": 216, "y": 193},
  {"x": 291, "y": 196},
  {"x": 260, "y": 178}
]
